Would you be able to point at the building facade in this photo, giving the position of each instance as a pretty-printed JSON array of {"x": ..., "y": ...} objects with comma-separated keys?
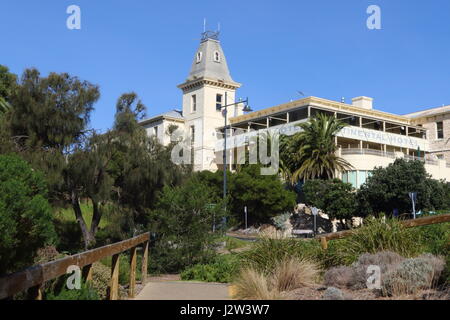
[{"x": 372, "y": 138}]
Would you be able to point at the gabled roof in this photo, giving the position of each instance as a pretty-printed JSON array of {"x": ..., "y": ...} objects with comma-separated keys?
[{"x": 176, "y": 115}]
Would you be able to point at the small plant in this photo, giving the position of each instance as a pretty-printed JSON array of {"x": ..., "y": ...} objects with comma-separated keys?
[
  {"x": 253, "y": 285},
  {"x": 378, "y": 235},
  {"x": 222, "y": 270},
  {"x": 267, "y": 253},
  {"x": 413, "y": 275},
  {"x": 294, "y": 273},
  {"x": 86, "y": 292},
  {"x": 355, "y": 276}
]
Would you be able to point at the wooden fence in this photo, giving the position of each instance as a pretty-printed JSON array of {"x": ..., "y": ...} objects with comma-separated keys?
[
  {"x": 33, "y": 279},
  {"x": 324, "y": 238}
]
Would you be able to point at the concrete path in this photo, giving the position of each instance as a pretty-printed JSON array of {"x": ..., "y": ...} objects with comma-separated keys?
[{"x": 179, "y": 290}]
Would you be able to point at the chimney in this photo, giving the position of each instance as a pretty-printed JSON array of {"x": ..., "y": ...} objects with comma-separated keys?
[{"x": 363, "y": 102}]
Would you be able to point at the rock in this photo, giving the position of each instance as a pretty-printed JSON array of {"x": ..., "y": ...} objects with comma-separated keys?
[{"x": 333, "y": 293}]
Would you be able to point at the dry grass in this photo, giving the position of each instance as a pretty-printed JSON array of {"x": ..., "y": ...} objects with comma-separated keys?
[
  {"x": 294, "y": 273},
  {"x": 288, "y": 274},
  {"x": 252, "y": 285}
]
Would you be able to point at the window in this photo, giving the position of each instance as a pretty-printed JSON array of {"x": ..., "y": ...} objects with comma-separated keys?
[
  {"x": 194, "y": 103},
  {"x": 356, "y": 178},
  {"x": 155, "y": 131},
  {"x": 199, "y": 56},
  {"x": 216, "y": 56},
  {"x": 440, "y": 130},
  {"x": 440, "y": 157},
  {"x": 192, "y": 134},
  {"x": 219, "y": 102}
]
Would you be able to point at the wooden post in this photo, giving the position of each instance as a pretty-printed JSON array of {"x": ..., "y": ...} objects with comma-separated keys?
[
  {"x": 87, "y": 273},
  {"x": 35, "y": 293},
  {"x": 324, "y": 243},
  {"x": 114, "y": 286},
  {"x": 144, "y": 263},
  {"x": 132, "y": 272}
]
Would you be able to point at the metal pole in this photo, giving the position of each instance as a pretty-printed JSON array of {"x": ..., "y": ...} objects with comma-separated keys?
[
  {"x": 245, "y": 210},
  {"x": 225, "y": 153}
]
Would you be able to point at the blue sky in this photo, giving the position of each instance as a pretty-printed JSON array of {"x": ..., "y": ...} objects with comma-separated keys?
[{"x": 275, "y": 48}]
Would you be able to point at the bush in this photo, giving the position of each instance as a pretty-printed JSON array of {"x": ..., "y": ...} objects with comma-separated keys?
[
  {"x": 355, "y": 276},
  {"x": 266, "y": 253},
  {"x": 378, "y": 235},
  {"x": 253, "y": 285},
  {"x": 182, "y": 225},
  {"x": 85, "y": 293},
  {"x": 294, "y": 273},
  {"x": 124, "y": 267},
  {"x": 25, "y": 214},
  {"x": 223, "y": 270},
  {"x": 387, "y": 188},
  {"x": 334, "y": 197},
  {"x": 412, "y": 275}
]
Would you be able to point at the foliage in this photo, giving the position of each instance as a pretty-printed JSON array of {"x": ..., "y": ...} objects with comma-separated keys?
[
  {"x": 7, "y": 84},
  {"x": 293, "y": 273},
  {"x": 311, "y": 153},
  {"x": 412, "y": 275},
  {"x": 263, "y": 195},
  {"x": 250, "y": 284},
  {"x": 334, "y": 197},
  {"x": 25, "y": 214},
  {"x": 124, "y": 267},
  {"x": 223, "y": 269},
  {"x": 355, "y": 276},
  {"x": 388, "y": 188},
  {"x": 379, "y": 235},
  {"x": 141, "y": 166},
  {"x": 287, "y": 274},
  {"x": 182, "y": 224},
  {"x": 86, "y": 292},
  {"x": 266, "y": 253}
]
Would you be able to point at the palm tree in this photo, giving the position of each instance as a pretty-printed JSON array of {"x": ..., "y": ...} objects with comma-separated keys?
[{"x": 311, "y": 153}]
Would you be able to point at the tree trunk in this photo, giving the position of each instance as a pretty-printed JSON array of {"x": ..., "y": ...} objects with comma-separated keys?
[
  {"x": 88, "y": 237},
  {"x": 96, "y": 217}
]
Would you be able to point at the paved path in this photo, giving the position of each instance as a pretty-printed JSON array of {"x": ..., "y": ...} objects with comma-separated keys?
[{"x": 179, "y": 290}]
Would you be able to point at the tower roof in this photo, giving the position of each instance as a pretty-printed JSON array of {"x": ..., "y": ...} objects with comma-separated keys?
[{"x": 209, "y": 61}]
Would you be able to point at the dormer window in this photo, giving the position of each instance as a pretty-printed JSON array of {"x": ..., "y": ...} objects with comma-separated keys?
[
  {"x": 216, "y": 56},
  {"x": 199, "y": 56}
]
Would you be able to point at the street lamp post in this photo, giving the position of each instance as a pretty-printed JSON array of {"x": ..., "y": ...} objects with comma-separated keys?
[{"x": 246, "y": 109}]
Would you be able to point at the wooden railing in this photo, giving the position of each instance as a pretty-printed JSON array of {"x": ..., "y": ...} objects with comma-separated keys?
[
  {"x": 32, "y": 279},
  {"x": 324, "y": 238}
]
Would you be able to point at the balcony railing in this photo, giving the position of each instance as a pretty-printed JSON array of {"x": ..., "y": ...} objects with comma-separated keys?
[
  {"x": 391, "y": 155},
  {"x": 368, "y": 151}
]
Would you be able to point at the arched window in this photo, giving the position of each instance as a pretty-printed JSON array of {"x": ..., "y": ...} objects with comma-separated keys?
[
  {"x": 216, "y": 56},
  {"x": 199, "y": 56}
]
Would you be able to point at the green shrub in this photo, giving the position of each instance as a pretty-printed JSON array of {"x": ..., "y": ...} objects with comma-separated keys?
[
  {"x": 25, "y": 214},
  {"x": 222, "y": 270},
  {"x": 87, "y": 292},
  {"x": 124, "y": 267},
  {"x": 377, "y": 235},
  {"x": 266, "y": 253},
  {"x": 435, "y": 238},
  {"x": 182, "y": 225},
  {"x": 233, "y": 243}
]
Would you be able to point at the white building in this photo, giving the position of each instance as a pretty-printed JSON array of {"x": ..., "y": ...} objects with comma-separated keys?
[{"x": 373, "y": 138}]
